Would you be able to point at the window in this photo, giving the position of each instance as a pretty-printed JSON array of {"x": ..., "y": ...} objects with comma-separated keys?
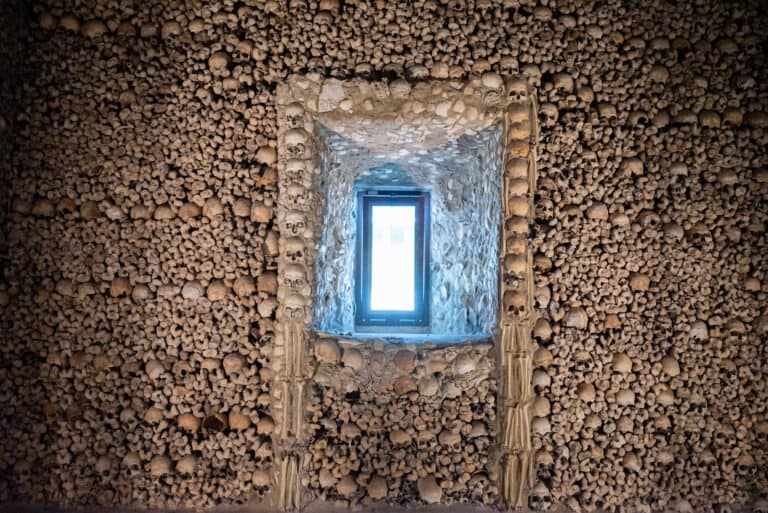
[{"x": 392, "y": 260}]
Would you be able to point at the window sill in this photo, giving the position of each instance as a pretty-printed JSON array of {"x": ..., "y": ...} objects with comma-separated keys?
[{"x": 398, "y": 334}]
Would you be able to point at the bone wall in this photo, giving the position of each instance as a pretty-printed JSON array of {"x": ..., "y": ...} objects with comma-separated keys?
[
  {"x": 402, "y": 424},
  {"x": 12, "y": 50},
  {"x": 141, "y": 240}
]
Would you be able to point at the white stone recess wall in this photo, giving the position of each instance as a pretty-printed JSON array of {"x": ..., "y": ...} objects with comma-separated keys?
[{"x": 464, "y": 180}]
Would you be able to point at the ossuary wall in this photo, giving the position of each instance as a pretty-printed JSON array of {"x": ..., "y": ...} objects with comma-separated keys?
[{"x": 139, "y": 275}]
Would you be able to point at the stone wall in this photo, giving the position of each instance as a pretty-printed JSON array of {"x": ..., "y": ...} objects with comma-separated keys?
[{"x": 139, "y": 275}]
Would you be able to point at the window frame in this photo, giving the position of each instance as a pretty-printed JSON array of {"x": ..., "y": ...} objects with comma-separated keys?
[{"x": 396, "y": 320}]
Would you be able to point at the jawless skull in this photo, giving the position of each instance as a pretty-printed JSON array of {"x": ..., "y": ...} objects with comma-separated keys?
[
  {"x": 294, "y": 249},
  {"x": 294, "y": 276},
  {"x": 294, "y": 114},
  {"x": 297, "y": 143},
  {"x": 295, "y": 222}
]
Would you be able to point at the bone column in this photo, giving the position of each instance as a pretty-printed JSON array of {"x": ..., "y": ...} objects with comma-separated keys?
[
  {"x": 295, "y": 220},
  {"x": 516, "y": 318}
]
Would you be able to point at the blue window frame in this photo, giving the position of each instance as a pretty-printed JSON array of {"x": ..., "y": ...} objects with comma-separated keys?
[{"x": 392, "y": 258}]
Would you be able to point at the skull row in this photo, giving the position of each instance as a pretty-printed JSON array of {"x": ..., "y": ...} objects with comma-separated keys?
[{"x": 516, "y": 232}]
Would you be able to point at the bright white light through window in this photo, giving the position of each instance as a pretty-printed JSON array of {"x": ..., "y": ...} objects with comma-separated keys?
[{"x": 393, "y": 235}]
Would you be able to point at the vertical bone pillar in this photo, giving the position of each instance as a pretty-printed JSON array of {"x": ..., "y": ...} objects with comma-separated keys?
[
  {"x": 517, "y": 317},
  {"x": 295, "y": 218}
]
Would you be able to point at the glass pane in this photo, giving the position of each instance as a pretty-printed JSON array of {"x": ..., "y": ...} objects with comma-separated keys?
[{"x": 393, "y": 230}]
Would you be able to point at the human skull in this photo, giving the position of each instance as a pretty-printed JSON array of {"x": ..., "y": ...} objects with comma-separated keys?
[
  {"x": 23, "y": 471},
  {"x": 214, "y": 422},
  {"x": 761, "y": 432},
  {"x": 450, "y": 439},
  {"x": 682, "y": 506},
  {"x": 298, "y": 196},
  {"x": 491, "y": 98},
  {"x": 606, "y": 110},
  {"x": 296, "y": 140},
  {"x": 181, "y": 369},
  {"x": 699, "y": 331},
  {"x": 516, "y": 265},
  {"x": 294, "y": 114},
  {"x": 637, "y": 118},
  {"x": 732, "y": 117},
  {"x": 548, "y": 114},
  {"x": 745, "y": 465},
  {"x": 735, "y": 328},
  {"x": 708, "y": 462},
  {"x": 417, "y": 72},
  {"x": 760, "y": 505},
  {"x": 294, "y": 276},
  {"x": 364, "y": 70},
  {"x": 544, "y": 463},
  {"x": 673, "y": 230},
  {"x": 517, "y": 90},
  {"x": 709, "y": 119},
  {"x": 544, "y": 457},
  {"x": 542, "y": 296},
  {"x": 517, "y": 206},
  {"x": 761, "y": 325},
  {"x": 517, "y": 168},
  {"x": 545, "y": 209},
  {"x": 516, "y": 244},
  {"x": 380, "y": 90},
  {"x": 516, "y": 225},
  {"x": 131, "y": 464},
  {"x": 563, "y": 82},
  {"x": 541, "y": 426},
  {"x": 316, "y": 65},
  {"x": 517, "y": 187},
  {"x": 400, "y": 88},
  {"x": 128, "y": 419},
  {"x": 104, "y": 466},
  {"x": 508, "y": 65},
  {"x": 540, "y": 499},
  {"x": 541, "y": 380},
  {"x": 649, "y": 219},
  {"x": 585, "y": 94},
  {"x": 725, "y": 435},
  {"x": 514, "y": 302},
  {"x": 295, "y": 222},
  {"x": 294, "y": 249},
  {"x": 294, "y": 306},
  {"x": 542, "y": 330},
  {"x": 518, "y": 113},
  {"x": 295, "y": 170}
]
